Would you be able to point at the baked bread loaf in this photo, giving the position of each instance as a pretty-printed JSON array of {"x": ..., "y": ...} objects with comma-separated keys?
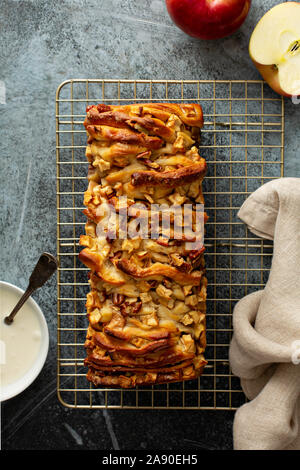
[{"x": 147, "y": 299}]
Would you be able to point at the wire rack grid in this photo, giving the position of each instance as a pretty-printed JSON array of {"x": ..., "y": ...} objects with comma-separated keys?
[{"x": 243, "y": 143}]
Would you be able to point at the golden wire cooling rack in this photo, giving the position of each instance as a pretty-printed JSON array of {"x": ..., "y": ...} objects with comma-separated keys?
[{"x": 243, "y": 143}]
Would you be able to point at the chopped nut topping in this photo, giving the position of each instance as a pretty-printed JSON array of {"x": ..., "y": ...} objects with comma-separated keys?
[
  {"x": 125, "y": 309},
  {"x": 131, "y": 244},
  {"x": 196, "y": 316},
  {"x": 188, "y": 342},
  {"x": 118, "y": 299},
  {"x": 87, "y": 197},
  {"x": 145, "y": 297},
  {"x": 151, "y": 320},
  {"x": 109, "y": 192},
  {"x": 187, "y": 320},
  {"x": 187, "y": 290},
  {"x": 176, "y": 259},
  {"x": 179, "y": 263},
  {"x": 103, "y": 165},
  {"x": 183, "y": 141},
  {"x": 177, "y": 199},
  {"x": 191, "y": 300},
  {"x": 136, "y": 307},
  {"x": 163, "y": 292}
]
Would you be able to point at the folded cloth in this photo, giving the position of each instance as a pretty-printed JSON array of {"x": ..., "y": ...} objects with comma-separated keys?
[{"x": 265, "y": 348}]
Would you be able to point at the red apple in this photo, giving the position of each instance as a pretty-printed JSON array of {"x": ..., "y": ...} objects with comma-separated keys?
[{"x": 208, "y": 19}]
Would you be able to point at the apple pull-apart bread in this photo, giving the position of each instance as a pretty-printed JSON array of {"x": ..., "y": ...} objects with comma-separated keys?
[{"x": 147, "y": 299}]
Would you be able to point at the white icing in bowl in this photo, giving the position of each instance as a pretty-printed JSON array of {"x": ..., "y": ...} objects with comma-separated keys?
[{"x": 23, "y": 344}]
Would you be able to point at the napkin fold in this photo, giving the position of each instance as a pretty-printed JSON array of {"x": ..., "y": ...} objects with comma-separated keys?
[{"x": 265, "y": 347}]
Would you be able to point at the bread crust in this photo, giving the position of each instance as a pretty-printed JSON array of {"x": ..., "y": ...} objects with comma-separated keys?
[{"x": 173, "y": 178}]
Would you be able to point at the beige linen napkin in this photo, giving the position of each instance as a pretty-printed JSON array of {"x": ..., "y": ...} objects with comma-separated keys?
[{"x": 265, "y": 348}]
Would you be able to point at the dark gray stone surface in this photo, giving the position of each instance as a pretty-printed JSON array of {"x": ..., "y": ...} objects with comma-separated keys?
[{"x": 42, "y": 43}]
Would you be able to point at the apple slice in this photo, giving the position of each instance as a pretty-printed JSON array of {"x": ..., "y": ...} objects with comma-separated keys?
[{"x": 275, "y": 48}]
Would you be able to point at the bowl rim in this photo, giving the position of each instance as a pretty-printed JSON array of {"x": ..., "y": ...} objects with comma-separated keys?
[{"x": 15, "y": 388}]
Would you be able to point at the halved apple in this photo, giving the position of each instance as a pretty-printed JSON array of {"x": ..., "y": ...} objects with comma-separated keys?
[{"x": 275, "y": 48}]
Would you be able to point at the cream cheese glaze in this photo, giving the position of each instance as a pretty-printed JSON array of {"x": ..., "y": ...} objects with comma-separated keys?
[{"x": 20, "y": 342}]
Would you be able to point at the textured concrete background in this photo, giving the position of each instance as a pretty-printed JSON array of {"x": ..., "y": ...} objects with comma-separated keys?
[{"x": 42, "y": 43}]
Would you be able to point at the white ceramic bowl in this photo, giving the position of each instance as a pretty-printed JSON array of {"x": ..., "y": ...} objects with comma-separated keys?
[{"x": 13, "y": 389}]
